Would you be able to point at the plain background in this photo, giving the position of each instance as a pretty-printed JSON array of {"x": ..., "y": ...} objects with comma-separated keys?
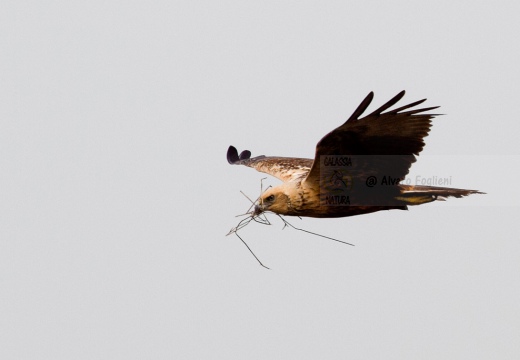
[{"x": 115, "y": 194}]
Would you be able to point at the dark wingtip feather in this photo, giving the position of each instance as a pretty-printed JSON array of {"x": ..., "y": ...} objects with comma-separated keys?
[
  {"x": 232, "y": 155},
  {"x": 395, "y": 111},
  {"x": 388, "y": 104},
  {"x": 362, "y": 107},
  {"x": 416, "y": 111},
  {"x": 244, "y": 155}
]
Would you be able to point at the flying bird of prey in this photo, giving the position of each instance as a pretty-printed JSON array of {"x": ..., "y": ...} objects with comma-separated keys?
[{"x": 357, "y": 167}]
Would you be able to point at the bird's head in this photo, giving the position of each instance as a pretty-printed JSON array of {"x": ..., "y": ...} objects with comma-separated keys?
[{"x": 276, "y": 199}]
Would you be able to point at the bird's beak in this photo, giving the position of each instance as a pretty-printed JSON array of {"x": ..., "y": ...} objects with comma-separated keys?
[{"x": 258, "y": 210}]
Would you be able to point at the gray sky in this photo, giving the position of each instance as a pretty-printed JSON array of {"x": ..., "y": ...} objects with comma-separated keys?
[{"x": 115, "y": 194}]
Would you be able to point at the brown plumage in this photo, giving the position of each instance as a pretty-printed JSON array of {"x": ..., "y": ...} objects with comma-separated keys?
[{"x": 381, "y": 146}]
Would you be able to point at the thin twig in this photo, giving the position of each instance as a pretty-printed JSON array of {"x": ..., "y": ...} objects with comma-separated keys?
[
  {"x": 251, "y": 251},
  {"x": 286, "y": 223}
]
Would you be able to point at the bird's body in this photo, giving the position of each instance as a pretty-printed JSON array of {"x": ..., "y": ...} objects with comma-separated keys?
[{"x": 379, "y": 147}]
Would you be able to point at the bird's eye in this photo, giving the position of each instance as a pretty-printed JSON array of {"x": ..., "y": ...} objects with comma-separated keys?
[{"x": 269, "y": 198}]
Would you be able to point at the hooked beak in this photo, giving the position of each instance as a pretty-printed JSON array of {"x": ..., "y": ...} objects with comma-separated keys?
[{"x": 258, "y": 210}]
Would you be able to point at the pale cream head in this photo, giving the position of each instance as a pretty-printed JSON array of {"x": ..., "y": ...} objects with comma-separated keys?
[{"x": 279, "y": 199}]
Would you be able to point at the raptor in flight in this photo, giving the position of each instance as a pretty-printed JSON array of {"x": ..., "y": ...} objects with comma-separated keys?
[{"x": 357, "y": 168}]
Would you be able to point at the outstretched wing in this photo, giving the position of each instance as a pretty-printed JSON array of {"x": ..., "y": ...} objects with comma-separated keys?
[
  {"x": 379, "y": 142},
  {"x": 283, "y": 168}
]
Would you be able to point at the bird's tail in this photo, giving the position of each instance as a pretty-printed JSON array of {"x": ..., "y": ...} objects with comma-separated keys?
[{"x": 417, "y": 195}]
